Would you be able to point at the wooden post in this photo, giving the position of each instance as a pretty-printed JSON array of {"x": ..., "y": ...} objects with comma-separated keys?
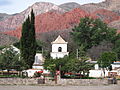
[
  {"x": 77, "y": 54},
  {"x": 55, "y": 79}
]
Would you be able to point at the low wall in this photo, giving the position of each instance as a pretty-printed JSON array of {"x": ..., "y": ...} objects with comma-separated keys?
[
  {"x": 17, "y": 81},
  {"x": 34, "y": 81},
  {"x": 26, "y": 81},
  {"x": 83, "y": 81}
]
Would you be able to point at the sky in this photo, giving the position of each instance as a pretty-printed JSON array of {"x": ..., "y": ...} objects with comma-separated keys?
[{"x": 17, "y": 6}]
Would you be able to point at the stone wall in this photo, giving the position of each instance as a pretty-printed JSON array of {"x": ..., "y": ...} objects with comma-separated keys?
[
  {"x": 17, "y": 81},
  {"x": 26, "y": 81},
  {"x": 83, "y": 81},
  {"x": 34, "y": 81}
]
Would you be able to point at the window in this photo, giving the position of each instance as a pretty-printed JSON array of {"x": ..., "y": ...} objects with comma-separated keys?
[{"x": 59, "y": 49}]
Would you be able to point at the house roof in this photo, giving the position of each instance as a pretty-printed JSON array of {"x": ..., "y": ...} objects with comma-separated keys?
[{"x": 59, "y": 40}]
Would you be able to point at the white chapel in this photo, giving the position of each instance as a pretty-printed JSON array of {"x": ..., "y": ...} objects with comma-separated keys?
[
  {"x": 59, "y": 48},
  {"x": 39, "y": 61}
]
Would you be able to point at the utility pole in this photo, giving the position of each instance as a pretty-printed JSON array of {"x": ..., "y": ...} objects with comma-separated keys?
[{"x": 77, "y": 54}]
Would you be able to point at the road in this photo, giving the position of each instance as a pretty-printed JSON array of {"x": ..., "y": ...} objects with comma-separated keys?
[{"x": 110, "y": 87}]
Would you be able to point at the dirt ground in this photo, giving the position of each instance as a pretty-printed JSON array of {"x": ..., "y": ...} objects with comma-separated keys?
[{"x": 110, "y": 87}]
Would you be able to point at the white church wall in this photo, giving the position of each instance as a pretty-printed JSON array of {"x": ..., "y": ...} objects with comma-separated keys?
[
  {"x": 39, "y": 60},
  {"x": 56, "y": 46},
  {"x": 58, "y": 54},
  {"x": 59, "y": 48}
]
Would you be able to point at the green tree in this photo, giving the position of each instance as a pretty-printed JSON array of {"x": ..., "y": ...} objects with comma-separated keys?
[
  {"x": 117, "y": 48},
  {"x": 24, "y": 42},
  {"x": 57, "y": 64},
  {"x": 32, "y": 40},
  {"x": 39, "y": 46},
  {"x": 9, "y": 59},
  {"x": 79, "y": 66},
  {"x": 91, "y": 32},
  {"x": 106, "y": 59},
  {"x": 28, "y": 41},
  {"x": 49, "y": 64},
  {"x": 68, "y": 64}
]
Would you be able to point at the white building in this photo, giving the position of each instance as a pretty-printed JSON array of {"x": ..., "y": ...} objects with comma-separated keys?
[
  {"x": 13, "y": 48},
  {"x": 59, "y": 48},
  {"x": 115, "y": 65},
  {"x": 39, "y": 61},
  {"x": 98, "y": 72},
  {"x": 37, "y": 66}
]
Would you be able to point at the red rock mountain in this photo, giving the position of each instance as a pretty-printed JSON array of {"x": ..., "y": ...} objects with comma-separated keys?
[
  {"x": 51, "y": 17},
  {"x": 115, "y": 24},
  {"x": 13, "y": 22},
  {"x": 54, "y": 21},
  {"x": 106, "y": 15},
  {"x": 112, "y": 5}
]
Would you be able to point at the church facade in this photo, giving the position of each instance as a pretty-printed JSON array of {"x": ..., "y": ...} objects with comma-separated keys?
[{"x": 59, "y": 48}]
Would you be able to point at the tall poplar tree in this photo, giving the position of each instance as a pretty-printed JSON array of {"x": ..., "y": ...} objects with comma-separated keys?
[
  {"x": 28, "y": 41},
  {"x": 32, "y": 40}
]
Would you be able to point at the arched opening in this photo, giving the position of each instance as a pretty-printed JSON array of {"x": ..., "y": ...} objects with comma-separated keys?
[{"x": 59, "y": 49}]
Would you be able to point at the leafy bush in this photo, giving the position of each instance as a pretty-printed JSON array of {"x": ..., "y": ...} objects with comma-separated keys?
[
  {"x": 88, "y": 78},
  {"x": 2, "y": 47}
]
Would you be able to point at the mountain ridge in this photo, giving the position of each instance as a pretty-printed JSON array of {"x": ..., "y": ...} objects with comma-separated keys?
[
  {"x": 51, "y": 17},
  {"x": 13, "y": 22}
]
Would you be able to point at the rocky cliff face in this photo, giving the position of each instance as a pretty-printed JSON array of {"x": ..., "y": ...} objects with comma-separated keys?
[
  {"x": 4, "y": 16},
  {"x": 54, "y": 21},
  {"x": 91, "y": 7},
  {"x": 69, "y": 6},
  {"x": 106, "y": 15},
  {"x": 115, "y": 24},
  {"x": 112, "y": 5},
  {"x": 51, "y": 17},
  {"x": 7, "y": 40},
  {"x": 13, "y": 22}
]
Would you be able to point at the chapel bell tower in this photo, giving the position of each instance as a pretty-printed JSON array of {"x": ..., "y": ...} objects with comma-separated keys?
[{"x": 59, "y": 48}]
